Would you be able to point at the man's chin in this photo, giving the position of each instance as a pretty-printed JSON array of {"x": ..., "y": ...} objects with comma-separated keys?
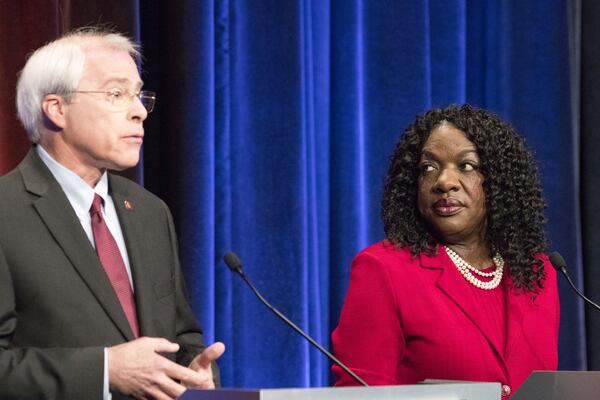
[{"x": 124, "y": 164}]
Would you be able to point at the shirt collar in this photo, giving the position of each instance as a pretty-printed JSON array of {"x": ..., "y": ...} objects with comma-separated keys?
[{"x": 79, "y": 193}]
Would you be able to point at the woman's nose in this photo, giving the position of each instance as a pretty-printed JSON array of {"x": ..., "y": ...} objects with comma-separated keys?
[{"x": 447, "y": 180}]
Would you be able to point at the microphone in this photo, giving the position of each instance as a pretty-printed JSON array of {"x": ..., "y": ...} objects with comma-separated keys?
[
  {"x": 235, "y": 265},
  {"x": 560, "y": 264}
]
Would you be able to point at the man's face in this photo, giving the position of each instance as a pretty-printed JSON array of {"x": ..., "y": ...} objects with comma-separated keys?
[{"x": 97, "y": 134}]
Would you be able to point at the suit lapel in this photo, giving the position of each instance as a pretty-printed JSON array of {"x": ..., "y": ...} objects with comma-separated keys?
[
  {"x": 59, "y": 217},
  {"x": 133, "y": 232},
  {"x": 454, "y": 289}
]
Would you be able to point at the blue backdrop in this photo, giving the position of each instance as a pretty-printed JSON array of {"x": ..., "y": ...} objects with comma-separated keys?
[{"x": 273, "y": 128}]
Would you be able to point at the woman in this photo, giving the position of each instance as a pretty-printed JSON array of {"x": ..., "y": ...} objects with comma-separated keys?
[{"x": 460, "y": 289}]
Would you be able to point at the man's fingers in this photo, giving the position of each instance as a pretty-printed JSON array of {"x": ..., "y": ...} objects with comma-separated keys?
[
  {"x": 164, "y": 346},
  {"x": 202, "y": 376},
  {"x": 157, "y": 393},
  {"x": 210, "y": 354},
  {"x": 183, "y": 374},
  {"x": 138, "y": 368},
  {"x": 170, "y": 387}
]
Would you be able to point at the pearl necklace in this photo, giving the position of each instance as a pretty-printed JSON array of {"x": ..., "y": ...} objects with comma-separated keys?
[{"x": 469, "y": 272}]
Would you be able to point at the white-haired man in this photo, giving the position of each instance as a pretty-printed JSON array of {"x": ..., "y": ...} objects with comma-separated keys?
[{"x": 91, "y": 296}]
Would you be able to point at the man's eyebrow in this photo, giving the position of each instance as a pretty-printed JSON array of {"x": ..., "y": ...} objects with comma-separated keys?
[{"x": 139, "y": 84}]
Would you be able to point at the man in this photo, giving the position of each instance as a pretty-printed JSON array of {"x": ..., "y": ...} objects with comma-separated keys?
[{"x": 91, "y": 296}]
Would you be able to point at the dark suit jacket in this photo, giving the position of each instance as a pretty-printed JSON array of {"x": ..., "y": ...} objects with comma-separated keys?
[{"x": 57, "y": 307}]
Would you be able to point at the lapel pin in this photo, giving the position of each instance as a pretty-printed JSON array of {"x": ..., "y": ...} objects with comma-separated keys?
[{"x": 128, "y": 205}]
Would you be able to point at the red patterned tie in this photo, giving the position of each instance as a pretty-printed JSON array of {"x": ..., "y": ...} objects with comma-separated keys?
[{"x": 113, "y": 264}]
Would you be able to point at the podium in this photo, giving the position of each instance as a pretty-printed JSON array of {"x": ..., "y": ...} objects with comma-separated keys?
[
  {"x": 541, "y": 385},
  {"x": 423, "y": 391},
  {"x": 560, "y": 385}
]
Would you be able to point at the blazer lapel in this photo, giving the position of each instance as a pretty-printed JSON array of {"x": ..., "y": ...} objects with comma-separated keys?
[
  {"x": 133, "y": 232},
  {"x": 462, "y": 298},
  {"x": 55, "y": 210}
]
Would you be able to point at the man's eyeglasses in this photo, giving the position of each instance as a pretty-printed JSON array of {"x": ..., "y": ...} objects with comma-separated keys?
[{"x": 122, "y": 99}]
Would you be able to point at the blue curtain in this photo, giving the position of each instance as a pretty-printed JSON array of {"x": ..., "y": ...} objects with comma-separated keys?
[{"x": 272, "y": 132}]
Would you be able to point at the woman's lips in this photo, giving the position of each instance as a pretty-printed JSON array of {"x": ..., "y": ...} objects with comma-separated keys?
[{"x": 447, "y": 207}]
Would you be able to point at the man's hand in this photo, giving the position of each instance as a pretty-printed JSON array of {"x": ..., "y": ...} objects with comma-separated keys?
[
  {"x": 136, "y": 369},
  {"x": 202, "y": 365}
]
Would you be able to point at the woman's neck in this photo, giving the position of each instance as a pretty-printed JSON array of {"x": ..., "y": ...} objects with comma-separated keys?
[{"x": 476, "y": 254}]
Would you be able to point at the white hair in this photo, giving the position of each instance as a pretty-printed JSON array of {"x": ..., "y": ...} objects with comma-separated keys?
[{"x": 56, "y": 68}]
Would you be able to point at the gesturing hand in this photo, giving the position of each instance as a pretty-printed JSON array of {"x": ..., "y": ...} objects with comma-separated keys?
[
  {"x": 136, "y": 369},
  {"x": 202, "y": 365}
]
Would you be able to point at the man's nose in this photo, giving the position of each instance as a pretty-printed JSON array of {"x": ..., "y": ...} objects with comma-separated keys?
[{"x": 137, "y": 109}]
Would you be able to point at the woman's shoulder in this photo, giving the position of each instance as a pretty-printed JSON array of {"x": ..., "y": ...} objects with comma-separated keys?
[
  {"x": 385, "y": 248},
  {"x": 385, "y": 253},
  {"x": 547, "y": 265}
]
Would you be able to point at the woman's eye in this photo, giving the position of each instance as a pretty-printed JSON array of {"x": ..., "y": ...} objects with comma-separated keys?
[
  {"x": 426, "y": 168},
  {"x": 469, "y": 166}
]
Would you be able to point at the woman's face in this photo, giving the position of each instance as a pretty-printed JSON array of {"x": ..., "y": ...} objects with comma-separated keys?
[{"x": 450, "y": 195}]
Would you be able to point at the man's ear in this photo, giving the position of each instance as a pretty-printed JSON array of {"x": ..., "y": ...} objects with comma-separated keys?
[{"x": 53, "y": 107}]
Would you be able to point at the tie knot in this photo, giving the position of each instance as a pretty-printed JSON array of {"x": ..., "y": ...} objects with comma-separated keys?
[{"x": 96, "y": 207}]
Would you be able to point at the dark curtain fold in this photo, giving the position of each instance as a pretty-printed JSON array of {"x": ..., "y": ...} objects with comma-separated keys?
[
  {"x": 179, "y": 149},
  {"x": 273, "y": 128},
  {"x": 589, "y": 280}
]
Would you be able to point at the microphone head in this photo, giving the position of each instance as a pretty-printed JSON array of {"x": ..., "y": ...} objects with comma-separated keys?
[
  {"x": 557, "y": 261},
  {"x": 233, "y": 262}
]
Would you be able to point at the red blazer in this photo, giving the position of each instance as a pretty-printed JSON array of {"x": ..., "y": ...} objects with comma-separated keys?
[{"x": 407, "y": 319}]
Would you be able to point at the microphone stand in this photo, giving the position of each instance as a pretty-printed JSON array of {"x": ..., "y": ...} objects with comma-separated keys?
[
  {"x": 235, "y": 265},
  {"x": 560, "y": 265}
]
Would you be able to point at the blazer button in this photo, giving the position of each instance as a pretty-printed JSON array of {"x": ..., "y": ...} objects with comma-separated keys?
[{"x": 505, "y": 390}]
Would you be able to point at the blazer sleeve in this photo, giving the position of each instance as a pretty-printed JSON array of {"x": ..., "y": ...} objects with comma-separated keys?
[
  {"x": 551, "y": 296},
  {"x": 189, "y": 336},
  {"x": 48, "y": 373},
  {"x": 369, "y": 337}
]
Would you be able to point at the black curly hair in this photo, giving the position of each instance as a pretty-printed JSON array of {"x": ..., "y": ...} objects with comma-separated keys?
[{"x": 513, "y": 193}]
